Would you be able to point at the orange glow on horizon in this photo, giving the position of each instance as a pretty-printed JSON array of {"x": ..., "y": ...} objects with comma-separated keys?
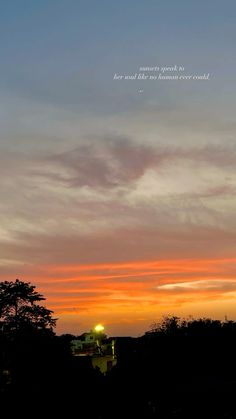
[{"x": 128, "y": 291}]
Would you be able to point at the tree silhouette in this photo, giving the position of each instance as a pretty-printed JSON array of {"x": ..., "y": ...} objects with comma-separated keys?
[
  {"x": 169, "y": 325},
  {"x": 19, "y": 308}
]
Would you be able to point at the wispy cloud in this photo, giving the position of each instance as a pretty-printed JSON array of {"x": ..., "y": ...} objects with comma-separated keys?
[{"x": 223, "y": 285}]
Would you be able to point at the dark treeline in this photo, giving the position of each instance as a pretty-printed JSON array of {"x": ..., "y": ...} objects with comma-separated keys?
[{"x": 178, "y": 369}]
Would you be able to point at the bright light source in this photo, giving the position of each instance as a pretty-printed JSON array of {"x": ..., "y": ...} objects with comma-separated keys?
[{"x": 99, "y": 328}]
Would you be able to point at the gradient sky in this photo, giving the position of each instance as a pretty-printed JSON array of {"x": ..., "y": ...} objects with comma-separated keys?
[{"x": 119, "y": 204}]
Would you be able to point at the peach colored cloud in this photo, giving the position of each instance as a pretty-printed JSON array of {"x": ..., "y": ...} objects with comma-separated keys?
[{"x": 132, "y": 290}]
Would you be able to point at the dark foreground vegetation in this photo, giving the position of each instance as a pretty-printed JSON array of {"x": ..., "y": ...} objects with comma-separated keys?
[{"x": 179, "y": 369}]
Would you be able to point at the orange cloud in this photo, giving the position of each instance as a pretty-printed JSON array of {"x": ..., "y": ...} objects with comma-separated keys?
[{"x": 118, "y": 292}]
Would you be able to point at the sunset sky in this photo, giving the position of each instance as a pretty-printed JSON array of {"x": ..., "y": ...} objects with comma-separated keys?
[{"x": 118, "y": 196}]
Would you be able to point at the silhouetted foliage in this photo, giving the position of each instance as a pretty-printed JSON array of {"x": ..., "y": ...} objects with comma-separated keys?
[
  {"x": 19, "y": 308},
  {"x": 180, "y": 368},
  {"x": 168, "y": 325}
]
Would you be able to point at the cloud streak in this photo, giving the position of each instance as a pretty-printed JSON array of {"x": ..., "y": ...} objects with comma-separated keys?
[
  {"x": 144, "y": 289},
  {"x": 127, "y": 221}
]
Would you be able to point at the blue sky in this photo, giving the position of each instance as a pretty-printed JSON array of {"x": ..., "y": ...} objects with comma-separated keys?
[{"x": 65, "y": 53}]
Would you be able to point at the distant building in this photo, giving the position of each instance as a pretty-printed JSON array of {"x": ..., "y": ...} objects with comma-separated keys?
[{"x": 98, "y": 346}]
